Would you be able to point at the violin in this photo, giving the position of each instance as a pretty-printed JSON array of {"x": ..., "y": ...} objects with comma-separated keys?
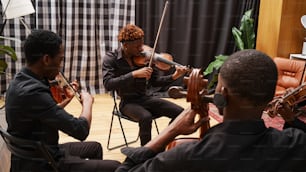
[
  {"x": 197, "y": 95},
  {"x": 163, "y": 61},
  {"x": 61, "y": 89},
  {"x": 292, "y": 97}
]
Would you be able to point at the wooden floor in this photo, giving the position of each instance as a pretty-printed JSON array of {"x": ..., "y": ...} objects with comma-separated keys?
[{"x": 102, "y": 111}]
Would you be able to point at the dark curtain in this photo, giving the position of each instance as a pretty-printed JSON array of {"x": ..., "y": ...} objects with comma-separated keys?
[{"x": 193, "y": 31}]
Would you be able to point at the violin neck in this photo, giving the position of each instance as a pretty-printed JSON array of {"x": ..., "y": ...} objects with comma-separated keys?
[{"x": 67, "y": 83}]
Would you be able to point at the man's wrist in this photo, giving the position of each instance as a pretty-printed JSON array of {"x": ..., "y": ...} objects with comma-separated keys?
[{"x": 159, "y": 143}]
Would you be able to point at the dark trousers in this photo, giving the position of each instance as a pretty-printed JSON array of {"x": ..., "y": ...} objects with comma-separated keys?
[
  {"x": 85, "y": 156},
  {"x": 145, "y": 109},
  {"x": 79, "y": 157}
]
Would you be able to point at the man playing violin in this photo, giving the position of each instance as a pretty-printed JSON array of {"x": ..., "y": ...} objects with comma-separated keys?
[
  {"x": 32, "y": 113},
  {"x": 121, "y": 72},
  {"x": 242, "y": 142}
]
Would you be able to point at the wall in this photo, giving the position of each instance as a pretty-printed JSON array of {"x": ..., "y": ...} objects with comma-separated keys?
[{"x": 280, "y": 31}]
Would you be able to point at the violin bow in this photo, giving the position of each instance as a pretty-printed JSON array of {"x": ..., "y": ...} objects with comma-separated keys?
[{"x": 158, "y": 33}]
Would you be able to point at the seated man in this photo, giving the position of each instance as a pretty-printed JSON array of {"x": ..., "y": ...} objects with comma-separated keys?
[
  {"x": 32, "y": 113},
  {"x": 242, "y": 142},
  {"x": 131, "y": 78}
]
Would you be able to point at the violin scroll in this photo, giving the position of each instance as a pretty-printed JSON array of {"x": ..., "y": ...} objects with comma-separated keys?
[
  {"x": 196, "y": 94},
  {"x": 196, "y": 89}
]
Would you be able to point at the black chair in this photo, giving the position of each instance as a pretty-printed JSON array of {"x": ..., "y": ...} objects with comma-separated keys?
[
  {"x": 28, "y": 149},
  {"x": 120, "y": 116}
]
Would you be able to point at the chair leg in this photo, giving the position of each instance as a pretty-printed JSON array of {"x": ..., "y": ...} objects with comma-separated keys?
[
  {"x": 156, "y": 126},
  {"x": 110, "y": 131},
  {"x": 126, "y": 143}
]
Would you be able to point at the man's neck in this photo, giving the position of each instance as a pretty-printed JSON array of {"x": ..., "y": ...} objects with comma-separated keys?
[{"x": 36, "y": 70}]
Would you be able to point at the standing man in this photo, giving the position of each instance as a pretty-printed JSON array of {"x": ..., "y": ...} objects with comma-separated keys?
[
  {"x": 129, "y": 78},
  {"x": 32, "y": 113}
]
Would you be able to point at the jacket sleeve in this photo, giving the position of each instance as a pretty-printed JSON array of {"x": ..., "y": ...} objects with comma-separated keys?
[
  {"x": 296, "y": 123},
  {"x": 110, "y": 80},
  {"x": 143, "y": 159}
]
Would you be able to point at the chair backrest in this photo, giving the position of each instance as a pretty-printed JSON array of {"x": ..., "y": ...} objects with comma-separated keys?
[
  {"x": 290, "y": 74},
  {"x": 27, "y": 149}
]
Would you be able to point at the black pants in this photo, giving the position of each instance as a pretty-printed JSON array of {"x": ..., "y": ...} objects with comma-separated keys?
[
  {"x": 85, "y": 156},
  {"x": 145, "y": 109},
  {"x": 79, "y": 157}
]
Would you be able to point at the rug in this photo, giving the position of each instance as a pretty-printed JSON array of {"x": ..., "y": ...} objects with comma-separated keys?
[{"x": 276, "y": 122}]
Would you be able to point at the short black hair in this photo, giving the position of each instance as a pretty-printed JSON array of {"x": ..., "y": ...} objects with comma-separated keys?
[
  {"x": 250, "y": 74},
  {"x": 39, "y": 43}
]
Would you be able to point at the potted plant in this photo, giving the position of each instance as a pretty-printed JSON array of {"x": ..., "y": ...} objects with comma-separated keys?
[
  {"x": 244, "y": 39},
  {"x": 4, "y": 49}
]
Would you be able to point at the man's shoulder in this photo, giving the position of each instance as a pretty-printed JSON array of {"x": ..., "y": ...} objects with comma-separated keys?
[
  {"x": 24, "y": 84},
  {"x": 294, "y": 132},
  {"x": 112, "y": 54}
]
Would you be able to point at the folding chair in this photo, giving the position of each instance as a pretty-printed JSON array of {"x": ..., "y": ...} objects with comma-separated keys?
[
  {"x": 28, "y": 149},
  {"x": 120, "y": 116}
]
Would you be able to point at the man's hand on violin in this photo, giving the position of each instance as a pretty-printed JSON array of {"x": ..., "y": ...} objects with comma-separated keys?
[
  {"x": 75, "y": 85},
  {"x": 285, "y": 111},
  {"x": 69, "y": 94},
  {"x": 180, "y": 71},
  {"x": 185, "y": 123},
  {"x": 87, "y": 98},
  {"x": 144, "y": 72}
]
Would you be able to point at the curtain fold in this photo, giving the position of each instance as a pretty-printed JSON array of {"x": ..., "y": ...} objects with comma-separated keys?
[
  {"x": 88, "y": 28},
  {"x": 194, "y": 31}
]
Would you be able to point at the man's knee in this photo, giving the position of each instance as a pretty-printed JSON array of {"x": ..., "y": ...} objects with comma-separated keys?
[{"x": 96, "y": 149}]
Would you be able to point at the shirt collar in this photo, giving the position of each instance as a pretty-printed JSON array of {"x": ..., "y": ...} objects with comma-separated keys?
[
  {"x": 242, "y": 127},
  {"x": 27, "y": 71},
  {"x": 120, "y": 54}
]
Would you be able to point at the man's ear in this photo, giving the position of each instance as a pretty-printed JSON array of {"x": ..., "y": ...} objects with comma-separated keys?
[
  {"x": 224, "y": 91},
  {"x": 46, "y": 59}
]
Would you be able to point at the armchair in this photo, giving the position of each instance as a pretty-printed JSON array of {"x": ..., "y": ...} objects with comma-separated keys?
[{"x": 290, "y": 74}]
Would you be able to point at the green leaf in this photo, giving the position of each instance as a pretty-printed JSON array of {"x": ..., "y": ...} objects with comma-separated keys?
[
  {"x": 3, "y": 66},
  {"x": 217, "y": 63},
  {"x": 247, "y": 30},
  {"x": 213, "y": 82},
  {"x": 245, "y": 35},
  {"x": 9, "y": 51},
  {"x": 237, "y": 36}
]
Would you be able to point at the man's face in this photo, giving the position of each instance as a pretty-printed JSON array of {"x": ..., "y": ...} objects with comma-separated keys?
[
  {"x": 134, "y": 48},
  {"x": 54, "y": 64}
]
